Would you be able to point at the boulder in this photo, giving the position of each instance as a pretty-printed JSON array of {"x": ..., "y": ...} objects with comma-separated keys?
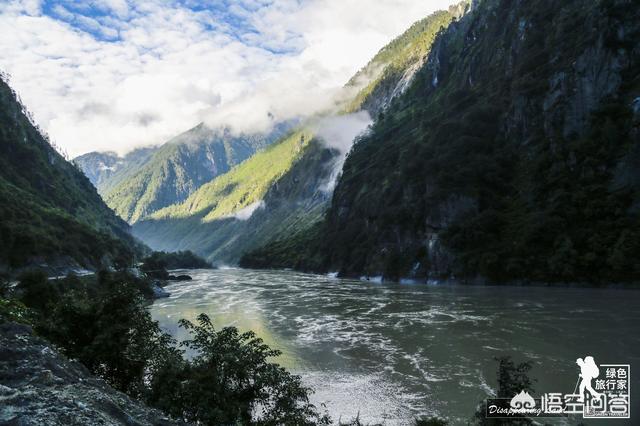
[{"x": 39, "y": 386}]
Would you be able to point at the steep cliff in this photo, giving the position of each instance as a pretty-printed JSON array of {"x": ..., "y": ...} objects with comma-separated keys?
[
  {"x": 513, "y": 155},
  {"x": 391, "y": 70}
]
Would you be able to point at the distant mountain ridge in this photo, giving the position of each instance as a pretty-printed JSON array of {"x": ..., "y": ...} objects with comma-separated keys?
[
  {"x": 150, "y": 179},
  {"x": 50, "y": 213},
  {"x": 257, "y": 200},
  {"x": 106, "y": 170},
  {"x": 99, "y": 166}
]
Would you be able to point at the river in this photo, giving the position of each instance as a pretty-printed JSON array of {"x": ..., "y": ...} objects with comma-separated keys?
[{"x": 395, "y": 351}]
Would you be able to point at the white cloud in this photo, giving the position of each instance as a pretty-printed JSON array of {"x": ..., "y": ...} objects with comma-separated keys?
[
  {"x": 246, "y": 212},
  {"x": 149, "y": 70},
  {"x": 339, "y": 132},
  {"x": 119, "y": 7}
]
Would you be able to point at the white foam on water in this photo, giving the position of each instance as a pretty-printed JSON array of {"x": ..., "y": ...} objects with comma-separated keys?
[
  {"x": 491, "y": 348},
  {"x": 416, "y": 361},
  {"x": 370, "y": 396},
  {"x": 393, "y": 352},
  {"x": 436, "y": 315}
]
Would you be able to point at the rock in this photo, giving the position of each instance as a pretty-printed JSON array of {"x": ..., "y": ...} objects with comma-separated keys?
[
  {"x": 45, "y": 377},
  {"x": 6, "y": 390},
  {"x": 183, "y": 277},
  {"x": 38, "y": 386},
  {"x": 159, "y": 292}
]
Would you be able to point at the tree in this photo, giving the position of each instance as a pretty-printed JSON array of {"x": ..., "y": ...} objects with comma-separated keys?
[
  {"x": 110, "y": 332},
  {"x": 230, "y": 381}
]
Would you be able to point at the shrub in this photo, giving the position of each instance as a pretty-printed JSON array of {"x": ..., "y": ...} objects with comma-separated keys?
[
  {"x": 102, "y": 321},
  {"x": 230, "y": 380}
]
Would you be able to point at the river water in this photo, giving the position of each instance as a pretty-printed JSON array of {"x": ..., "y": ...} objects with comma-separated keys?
[{"x": 395, "y": 351}]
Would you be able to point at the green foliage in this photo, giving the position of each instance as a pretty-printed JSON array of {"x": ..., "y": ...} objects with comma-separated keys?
[
  {"x": 37, "y": 291},
  {"x": 230, "y": 380},
  {"x": 298, "y": 247},
  {"x": 99, "y": 320},
  {"x": 388, "y": 66},
  {"x": 12, "y": 310},
  {"x": 279, "y": 176},
  {"x": 156, "y": 264},
  {"x": 48, "y": 209},
  {"x": 114, "y": 337},
  {"x": 183, "y": 260},
  {"x": 102, "y": 322},
  {"x": 32, "y": 230},
  {"x": 244, "y": 185},
  {"x": 298, "y": 251}
]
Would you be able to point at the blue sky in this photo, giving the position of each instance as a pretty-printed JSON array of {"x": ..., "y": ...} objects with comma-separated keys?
[
  {"x": 119, "y": 74},
  {"x": 104, "y": 19}
]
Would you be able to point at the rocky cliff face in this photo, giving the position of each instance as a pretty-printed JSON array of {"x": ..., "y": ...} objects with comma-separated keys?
[
  {"x": 38, "y": 386},
  {"x": 99, "y": 166},
  {"x": 508, "y": 157}
]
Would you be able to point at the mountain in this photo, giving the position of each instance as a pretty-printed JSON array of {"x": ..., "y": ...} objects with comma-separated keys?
[
  {"x": 512, "y": 156},
  {"x": 391, "y": 70},
  {"x": 99, "y": 166},
  {"x": 268, "y": 197},
  {"x": 50, "y": 213},
  {"x": 247, "y": 206},
  {"x": 106, "y": 170},
  {"x": 148, "y": 180}
]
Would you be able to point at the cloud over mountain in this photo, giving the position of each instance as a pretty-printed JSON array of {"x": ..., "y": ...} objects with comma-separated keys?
[{"x": 118, "y": 74}]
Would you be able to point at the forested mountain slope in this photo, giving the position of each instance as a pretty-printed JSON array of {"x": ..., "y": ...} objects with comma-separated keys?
[
  {"x": 49, "y": 211},
  {"x": 147, "y": 180},
  {"x": 513, "y": 155},
  {"x": 236, "y": 211},
  {"x": 268, "y": 197}
]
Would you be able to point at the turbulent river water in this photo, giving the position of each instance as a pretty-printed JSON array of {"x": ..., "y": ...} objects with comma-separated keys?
[{"x": 392, "y": 352}]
